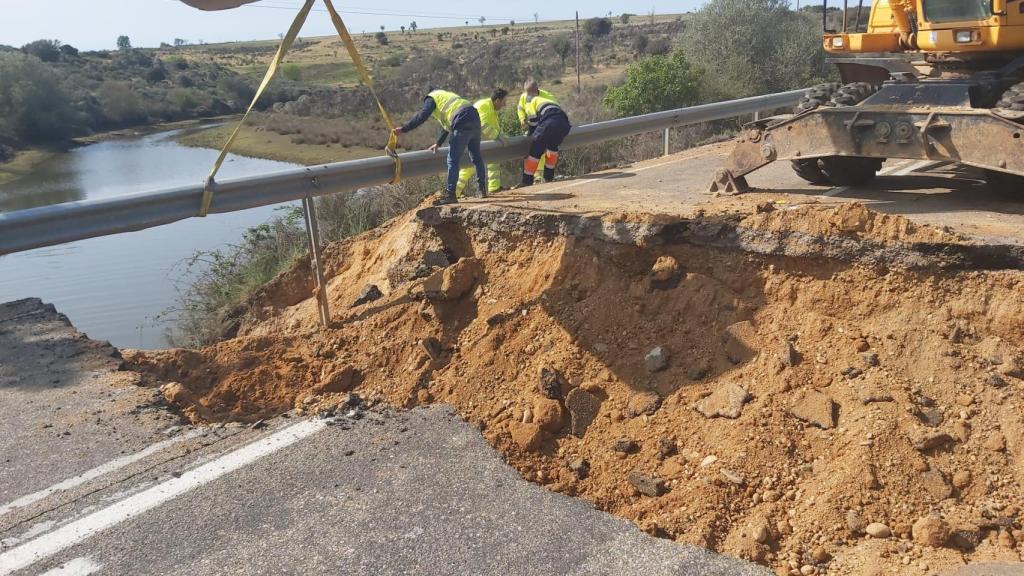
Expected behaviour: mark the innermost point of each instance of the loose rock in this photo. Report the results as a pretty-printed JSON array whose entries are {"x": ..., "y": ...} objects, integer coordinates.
[
  {"x": 368, "y": 294},
  {"x": 931, "y": 531},
  {"x": 996, "y": 442},
  {"x": 529, "y": 436},
  {"x": 815, "y": 408},
  {"x": 656, "y": 359},
  {"x": 878, "y": 530},
  {"x": 580, "y": 467},
  {"x": 551, "y": 382},
  {"x": 625, "y": 446},
  {"x": 925, "y": 441},
  {"x": 788, "y": 354},
  {"x": 726, "y": 401},
  {"x": 643, "y": 403},
  {"x": 453, "y": 282},
  {"x": 647, "y": 485},
  {"x": 855, "y": 522},
  {"x": 548, "y": 414},
  {"x": 583, "y": 407}
]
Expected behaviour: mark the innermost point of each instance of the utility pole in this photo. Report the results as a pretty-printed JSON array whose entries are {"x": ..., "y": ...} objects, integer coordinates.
[{"x": 578, "y": 85}]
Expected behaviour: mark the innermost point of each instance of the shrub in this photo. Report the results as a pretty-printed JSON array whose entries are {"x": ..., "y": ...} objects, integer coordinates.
[
  {"x": 640, "y": 42},
  {"x": 392, "y": 61},
  {"x": 292, "y": 72},
  {"x": 659, "y": 46},
  {"x": 624, "y": 17},
  {"x": 33, "y": 106},
  {"x": 656, "y": 83},
  {"x": 382, "y": 38},
  {"x": 562, "y": 46},
  {"x": 45, "y": 50},
  {"x": 156, "y": 74},
  {"x": 182, "y": 99},
  {"x": 597, "y": 27},
  {"x": 185, "y": 81},
  {"x": 68, "y": 51},
  {"x": 754, "y": 47},
  {"x": 119, "y": 103}
]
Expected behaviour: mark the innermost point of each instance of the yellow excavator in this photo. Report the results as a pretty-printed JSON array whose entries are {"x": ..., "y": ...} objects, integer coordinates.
[{"x": 939, "y": 80}]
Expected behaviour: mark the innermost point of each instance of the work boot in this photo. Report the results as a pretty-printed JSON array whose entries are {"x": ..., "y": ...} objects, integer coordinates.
[
  {"x": 527, "y": 180},
  {"x": 549, "y": 174},
  {"x": 445, "y": 199}
]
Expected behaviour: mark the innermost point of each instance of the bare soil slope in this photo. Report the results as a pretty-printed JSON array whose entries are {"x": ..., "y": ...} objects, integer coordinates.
[{"x": 822, "y": 390}]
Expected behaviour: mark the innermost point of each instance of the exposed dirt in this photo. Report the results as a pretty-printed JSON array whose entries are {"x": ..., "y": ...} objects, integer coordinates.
[{"x": 825, "y": 377}]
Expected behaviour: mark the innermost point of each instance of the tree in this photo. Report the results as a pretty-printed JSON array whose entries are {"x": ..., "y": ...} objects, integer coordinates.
[
  {"x": 33, "y": 106},
  {"x": 511, "y": 22},
  {"x": 45, "y": 50},
  {"x": 414, "y": 26},
  {"x": 179, "y": 42},
  {"x": 656, "y": 83},
  {"x": 403, "y": 29},
  {"x": 504, "y": 31},
  {"x": 597, "y": 27},
  {"x": 640, "y": 42},
  {"x": 124, "y": 43},
  {"x": 562, "y": 46},
  {"x": 536, "y": 17},
  {"x": 481, "y": 20},
  {"x": 624, "y": 18},
  {"x": 68, "y": 51},
  {"x": 755, "y": 47},
  {"x": 382, "y": 38},
  {"x": 382, "y": 28}
]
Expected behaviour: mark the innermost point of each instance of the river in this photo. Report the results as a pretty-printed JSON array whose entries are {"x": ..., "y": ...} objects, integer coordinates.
[{"x": 115, "y": 287}]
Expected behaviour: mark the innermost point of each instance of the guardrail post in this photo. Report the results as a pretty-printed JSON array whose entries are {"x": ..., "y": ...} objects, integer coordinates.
[
  {"x": 666, "y": 141},
  {"x": 316, "y": 258},
  {"x": 757, "y": 115}
]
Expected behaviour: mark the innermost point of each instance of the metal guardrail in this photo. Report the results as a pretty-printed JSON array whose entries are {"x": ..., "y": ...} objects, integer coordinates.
[{"x": 59, "y": 223}]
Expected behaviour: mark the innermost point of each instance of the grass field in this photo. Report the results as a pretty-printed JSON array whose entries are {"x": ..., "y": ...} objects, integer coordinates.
[{"x": 256, "y": 143}]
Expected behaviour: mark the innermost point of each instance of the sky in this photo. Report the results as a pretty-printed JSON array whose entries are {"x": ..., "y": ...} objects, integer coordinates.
[{"x": 96, "y": 24}]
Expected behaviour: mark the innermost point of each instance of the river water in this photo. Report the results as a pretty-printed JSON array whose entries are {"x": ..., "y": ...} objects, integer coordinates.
[{"x": 115, "y": 287}]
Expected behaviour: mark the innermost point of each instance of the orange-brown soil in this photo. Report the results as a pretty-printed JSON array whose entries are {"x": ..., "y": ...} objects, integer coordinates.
[{"x": 797, "y": 402}]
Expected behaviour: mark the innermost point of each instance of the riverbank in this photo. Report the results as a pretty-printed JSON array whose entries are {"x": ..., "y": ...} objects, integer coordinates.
[
  {"x": 25, "y": 161},
  {"x": 254, "y": 142}
]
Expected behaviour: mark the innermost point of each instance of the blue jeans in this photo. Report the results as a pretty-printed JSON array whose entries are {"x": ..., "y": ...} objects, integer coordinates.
[{"x": 465, "y": 136}]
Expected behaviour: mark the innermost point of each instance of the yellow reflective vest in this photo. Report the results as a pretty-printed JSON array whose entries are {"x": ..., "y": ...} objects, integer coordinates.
[
  {"x": 489, "y": 122},
  {"x": 446, "y": 104},
  {"x": 524, "y": 99}
]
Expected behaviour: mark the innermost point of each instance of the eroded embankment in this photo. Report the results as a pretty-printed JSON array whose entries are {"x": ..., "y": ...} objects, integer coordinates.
[{"x": 788, "y": 387}]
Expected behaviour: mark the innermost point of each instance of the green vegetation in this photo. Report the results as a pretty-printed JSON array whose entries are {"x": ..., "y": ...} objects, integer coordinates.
[
  {"x": 222, "y": 280},
  {"x": 656, "y": 83}
]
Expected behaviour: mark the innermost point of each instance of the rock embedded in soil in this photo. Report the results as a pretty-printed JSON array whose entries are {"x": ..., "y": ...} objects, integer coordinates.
[
  {"x": 855, "y": 522},
  {"x": 580, "y": 468},
  {"x": 726, "y": 401},
  {"x": 666, "y": 273},
  {"x": 931, "y": 531},
  {"x": 548, "y": 414},
  {"x": 453, "y": 282},
  {"x": 343, "y": 379},
  {"x": 962, "y": 479},
  {"x": 656, "y": 359},
  {"x": 788, "y": 354},
  {"x": 368, "y": 294},
  {"x": 583, "y": 407},
  {"x": 626, "y": 446},
  {"x": 643, "y": 403},
  {"x": 928, "y": 440},
  {"x": 646, "y": 484},
  {"x": 996, "y": 442},
  {"x": 528, "y": 436},
  {"x": 666, "y": 447},
  {"x": 551, "y": 382},
  {"x": 935, "y": 484},
  {"x": 877, "y": 530},
  {"x": 740, "y": 342},
  {"x": 815, "y": 408}
]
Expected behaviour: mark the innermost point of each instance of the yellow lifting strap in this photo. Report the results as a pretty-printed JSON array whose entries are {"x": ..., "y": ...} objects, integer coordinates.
[
  {"x": 353, "y": 53},
  {"x": 286, "y": 43}
]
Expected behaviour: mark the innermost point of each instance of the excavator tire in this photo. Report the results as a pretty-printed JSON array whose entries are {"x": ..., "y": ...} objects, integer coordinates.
[
  {"x": 850, "y": 170},
  {"x": 1001, "y": 183},
  {"x": 820, "y": 95}
]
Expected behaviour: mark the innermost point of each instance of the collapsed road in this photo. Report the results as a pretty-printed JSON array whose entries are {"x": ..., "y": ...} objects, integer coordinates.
[{"x": 813, "y": 380}]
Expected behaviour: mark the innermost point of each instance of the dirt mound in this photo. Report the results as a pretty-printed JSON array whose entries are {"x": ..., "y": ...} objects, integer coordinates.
[
  {"x": 789, "y": 410},
  {"x": 848, "y": 219}
]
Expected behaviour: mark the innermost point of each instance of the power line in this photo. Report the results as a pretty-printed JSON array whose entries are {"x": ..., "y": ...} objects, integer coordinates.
[{"x": 367, "y": 12}]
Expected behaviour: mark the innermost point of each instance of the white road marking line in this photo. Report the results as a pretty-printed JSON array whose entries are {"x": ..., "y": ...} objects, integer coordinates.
[
  {"x": 836, "y": 191},
  {"x": 76, "y": 567},
  {"x": 75, "y": 532},
  {"x": 96, "y": 472}
]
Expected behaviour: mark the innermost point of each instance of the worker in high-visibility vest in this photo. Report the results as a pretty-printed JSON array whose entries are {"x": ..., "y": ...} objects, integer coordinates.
[
  {"x": 521, "y": 108},
  {"x": 547, "y": 125},
  {"x": 460, "y": 119},
  {"x": 491, "y": 130}
]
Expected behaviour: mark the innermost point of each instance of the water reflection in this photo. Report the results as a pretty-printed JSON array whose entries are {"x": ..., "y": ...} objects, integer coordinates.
[{"x": 112, "y": 288}]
